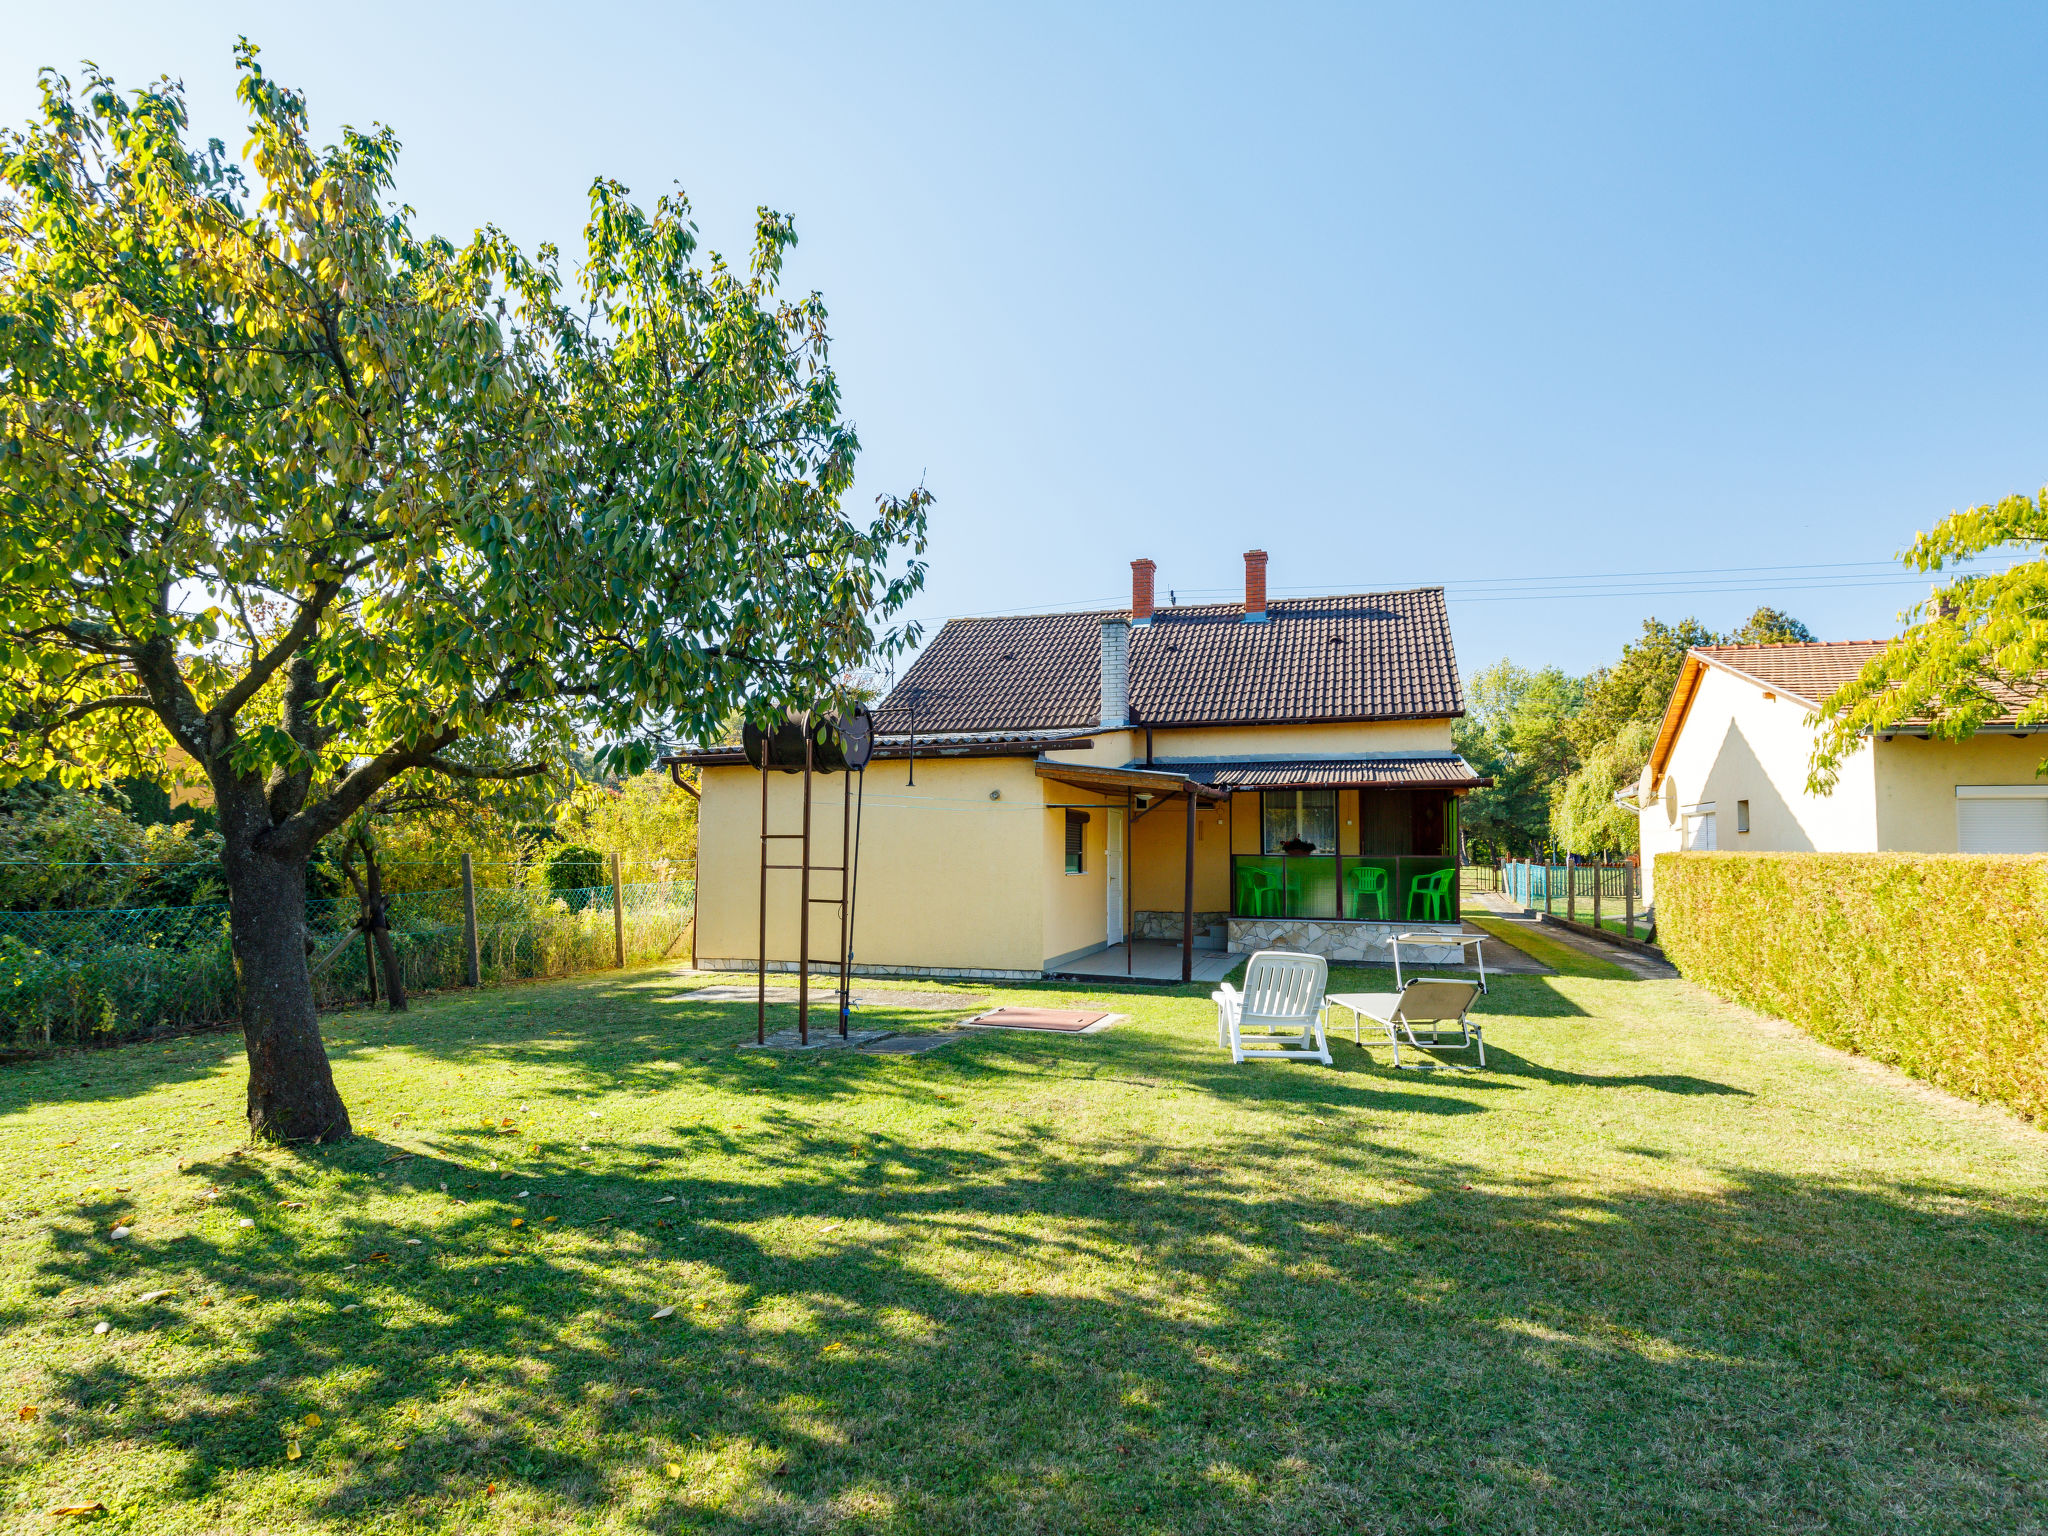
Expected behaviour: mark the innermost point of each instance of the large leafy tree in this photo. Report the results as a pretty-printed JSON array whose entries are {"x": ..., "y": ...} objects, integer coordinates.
[
  {"x": 1975, "y": 651},
  {"x": 1514, "y": 732},
  {"x": 326, "y": 502}
]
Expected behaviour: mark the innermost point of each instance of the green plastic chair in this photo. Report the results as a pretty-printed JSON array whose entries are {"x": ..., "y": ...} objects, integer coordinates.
[
  {"x": 1433, "y": 892},
  {"x": 1258, "y": 892},
  {"x": 1361, "y": 881}
]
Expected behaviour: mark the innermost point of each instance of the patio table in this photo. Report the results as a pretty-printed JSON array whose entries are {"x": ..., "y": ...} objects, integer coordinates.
[{"x": 1469, "y": 941}]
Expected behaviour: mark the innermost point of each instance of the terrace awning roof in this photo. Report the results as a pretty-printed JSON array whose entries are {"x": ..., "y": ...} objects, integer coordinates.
[
  {"x": 1104, "y": 779},
  {"x": 1417, "y": 771}
]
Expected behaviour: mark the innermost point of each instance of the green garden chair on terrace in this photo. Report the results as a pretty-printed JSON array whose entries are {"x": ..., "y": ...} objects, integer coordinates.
[
  {"x": 1258, "y": 892},
  {"x": 1361, "y": 881},
  {"x": 1433, "y": 892}
]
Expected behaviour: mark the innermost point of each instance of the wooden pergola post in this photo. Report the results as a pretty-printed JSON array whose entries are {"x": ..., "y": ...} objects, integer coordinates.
[{"x": 1187, "y": 901}]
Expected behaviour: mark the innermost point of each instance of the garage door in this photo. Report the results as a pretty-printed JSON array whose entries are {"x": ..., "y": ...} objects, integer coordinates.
[{"x": 2000, "y": 818}]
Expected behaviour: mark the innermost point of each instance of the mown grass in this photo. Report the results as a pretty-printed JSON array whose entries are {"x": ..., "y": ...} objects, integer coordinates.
[
  {"x": 1656, "y": 1269},
  {"x": 1563, "y": 958}
]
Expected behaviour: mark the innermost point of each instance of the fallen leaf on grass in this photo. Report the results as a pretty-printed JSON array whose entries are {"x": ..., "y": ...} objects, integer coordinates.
[
  {"x": 291, "y": 1450},
  {"x": 534, "y": 1150},
  {"x": 312, "y": 1421},
  {"x": 830, "y": 1225},
  {"x": 245, "y": 1222},
  {"x": 673, "y": 1468},
  {"x": 102, "y": 1327},
  {"x": 350, "y": 1307},
  {"x": 291, "y": 1205},
  {"x": 414, "y": 1242},
  {"x": 398, "y": 1157},
  {"x": 155, "y": 1295},
  {"x": 380, "y": 1258},
  {"x": 489, "y": 1489},
  {"x": 120, "y": 1232},
  {"x": 25, "y": 1412},
  {"x": 518, "y": 1221},
  {"x": 835, "y": 1344},
  {"x": 94, "y": 1508},
  {"x": 666, "y": 1200},
  {"x": 666, "y": 1312}
]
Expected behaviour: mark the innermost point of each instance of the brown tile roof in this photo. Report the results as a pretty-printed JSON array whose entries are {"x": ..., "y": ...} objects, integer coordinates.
[
  {"x": 925, "y": 744},
  {"x": 1368, "y": 656},
  {"x": 1444, "y": 772},
  {"x": 1812, "y": 671}
]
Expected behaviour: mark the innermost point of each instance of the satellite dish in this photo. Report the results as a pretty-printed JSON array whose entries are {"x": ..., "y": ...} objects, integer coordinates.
[{"x": 1646, "y": 785}]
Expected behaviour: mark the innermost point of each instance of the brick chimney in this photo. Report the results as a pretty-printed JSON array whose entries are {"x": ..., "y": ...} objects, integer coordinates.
[
  {"x": 1141, "y": 591},
  {"x": 1255, "y": 586}
]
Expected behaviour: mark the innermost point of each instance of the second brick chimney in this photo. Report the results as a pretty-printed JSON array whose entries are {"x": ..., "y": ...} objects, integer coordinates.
[
  {"x": 1141, "y": 591},
  {"x": 1255, "y": 586}
]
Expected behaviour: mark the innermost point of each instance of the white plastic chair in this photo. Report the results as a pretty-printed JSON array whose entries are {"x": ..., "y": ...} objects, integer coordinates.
[
  {"x": 1432, "y": 1003},
  {"x": 1283, "y": 1002}
]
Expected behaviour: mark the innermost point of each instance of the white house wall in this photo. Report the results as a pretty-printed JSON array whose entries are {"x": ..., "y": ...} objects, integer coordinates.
[{"x": 1735, "y": 745}]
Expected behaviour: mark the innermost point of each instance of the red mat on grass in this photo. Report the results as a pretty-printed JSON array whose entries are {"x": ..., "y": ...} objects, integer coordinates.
[{"x": 1063, "y": 1020}]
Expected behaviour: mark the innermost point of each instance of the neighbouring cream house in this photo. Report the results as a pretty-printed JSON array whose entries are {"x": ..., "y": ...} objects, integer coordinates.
[
  {"x": 1728, "y": 770},
  {"x": 1046, "y": 788}
]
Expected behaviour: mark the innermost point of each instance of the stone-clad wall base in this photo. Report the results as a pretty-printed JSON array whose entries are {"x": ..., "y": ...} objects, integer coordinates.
[
  {"x": 1166, "y": 925},
  {"x": 1342, "y": 942}
]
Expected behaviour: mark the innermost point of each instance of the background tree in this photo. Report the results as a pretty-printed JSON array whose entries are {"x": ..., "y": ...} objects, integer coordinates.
[
  {"x": 1976, "y": 650},
  {"x": 318, "y": 498},
  {"x": 645, "y": 819},
  {"x": 1583, "y": 816},
  {"x": 1514, "y": 731},
  {"x": 1770, "y": 626}
]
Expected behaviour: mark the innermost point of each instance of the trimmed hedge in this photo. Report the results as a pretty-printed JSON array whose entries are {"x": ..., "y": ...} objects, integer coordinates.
[{"x": 1930, "y": 962}]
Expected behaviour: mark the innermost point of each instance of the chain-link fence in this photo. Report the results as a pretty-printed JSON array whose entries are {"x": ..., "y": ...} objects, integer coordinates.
[{"x": 82, "y": 976}]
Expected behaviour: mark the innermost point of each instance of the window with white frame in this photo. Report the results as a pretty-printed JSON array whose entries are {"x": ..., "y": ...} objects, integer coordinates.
[
  {"x": 1699, "y": 828},
  {"x": 2002, "y": 818}
]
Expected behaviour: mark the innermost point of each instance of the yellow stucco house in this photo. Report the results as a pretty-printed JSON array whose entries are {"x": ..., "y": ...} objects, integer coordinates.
[
  {"x": 1728, "y": 770},
  {"x": 1046, "y": 788}
]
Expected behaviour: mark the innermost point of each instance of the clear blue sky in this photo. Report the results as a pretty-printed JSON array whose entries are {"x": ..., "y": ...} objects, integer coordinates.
[{"x": 1429, "y": 293}]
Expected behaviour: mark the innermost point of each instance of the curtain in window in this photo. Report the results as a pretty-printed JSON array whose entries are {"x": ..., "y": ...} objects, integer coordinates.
[{"x": 1308, "y": 814}]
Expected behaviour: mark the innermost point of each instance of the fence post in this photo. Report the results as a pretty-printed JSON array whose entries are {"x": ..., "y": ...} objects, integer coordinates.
[
  {"x": 1628, "y": 897},
  {"x": 472, "y": 958},
  {"x": 618, "y": 916},
  {"x": 1599, "y": 872},
  {"x": 1571, "y": 891}
]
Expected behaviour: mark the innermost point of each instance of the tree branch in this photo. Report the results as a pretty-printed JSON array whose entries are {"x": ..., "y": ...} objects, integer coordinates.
[
  {"x": 111, "y": 701},
  {"x": 266, "y": 666},
  {"x": 305, "y": 828},
  {"x": 464, "y": 771}
]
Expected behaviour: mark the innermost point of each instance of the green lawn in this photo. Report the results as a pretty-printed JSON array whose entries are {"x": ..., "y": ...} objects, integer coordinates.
[{"x": 1656, "y": 1269}]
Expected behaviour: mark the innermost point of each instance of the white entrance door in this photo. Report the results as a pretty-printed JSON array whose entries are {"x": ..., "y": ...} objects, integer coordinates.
[
  {"x": 1699, "y": 830},
  {"x": 1113, "y": 864}
]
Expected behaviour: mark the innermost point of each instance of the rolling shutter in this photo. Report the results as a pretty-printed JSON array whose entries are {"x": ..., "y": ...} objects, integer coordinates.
[{"x": 2006, "y": 824}]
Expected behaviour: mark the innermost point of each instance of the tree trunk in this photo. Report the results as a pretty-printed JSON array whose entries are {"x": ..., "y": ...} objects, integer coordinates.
[
  {"x": 292, "y": 1096},
  {"x": 380, "y": 930}
]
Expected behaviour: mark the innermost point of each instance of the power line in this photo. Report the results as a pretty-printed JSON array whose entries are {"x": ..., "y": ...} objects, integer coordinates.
[{"x": 1705, "y": 581}]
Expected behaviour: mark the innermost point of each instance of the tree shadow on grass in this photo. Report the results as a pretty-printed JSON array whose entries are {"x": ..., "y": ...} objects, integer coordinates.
[{"x": 1047, "y": 1332}]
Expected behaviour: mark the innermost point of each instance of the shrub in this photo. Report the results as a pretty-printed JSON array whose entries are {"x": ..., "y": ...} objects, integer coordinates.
[
  {"x": 1928, "y": 962},
  {"x": 571, "y": 870}
]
